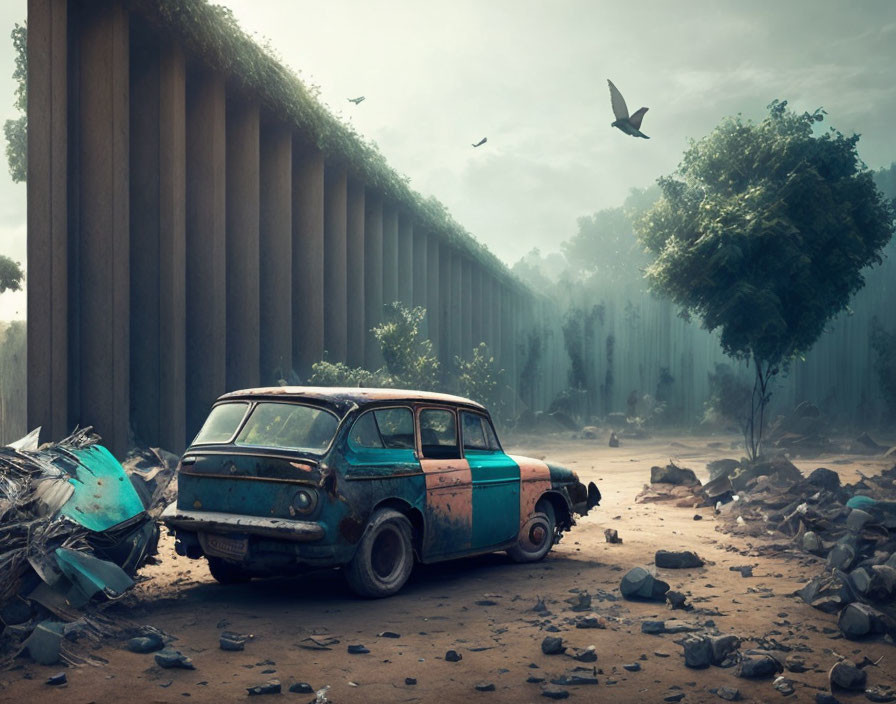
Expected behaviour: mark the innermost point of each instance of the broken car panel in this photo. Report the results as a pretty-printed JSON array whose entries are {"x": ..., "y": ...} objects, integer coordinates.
[{"x": 369, "y": 479}]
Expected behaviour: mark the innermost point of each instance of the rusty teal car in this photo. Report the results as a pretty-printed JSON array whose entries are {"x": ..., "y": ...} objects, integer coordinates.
[{"x": 288, "y": 478}]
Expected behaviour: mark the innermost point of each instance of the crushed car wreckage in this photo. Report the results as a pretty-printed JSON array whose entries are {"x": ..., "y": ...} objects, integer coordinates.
[{"x": 75, "y": 526}]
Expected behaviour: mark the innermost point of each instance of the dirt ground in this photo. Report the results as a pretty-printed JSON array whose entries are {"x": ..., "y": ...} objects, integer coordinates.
[{"x": 482, "y": 608}]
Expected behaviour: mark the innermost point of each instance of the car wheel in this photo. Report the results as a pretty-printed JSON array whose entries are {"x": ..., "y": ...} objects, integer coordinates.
[
  {"x": 536, "y": 536},
  {"x": 226, "y": 572},
  {"x": 385, "y": 556}
]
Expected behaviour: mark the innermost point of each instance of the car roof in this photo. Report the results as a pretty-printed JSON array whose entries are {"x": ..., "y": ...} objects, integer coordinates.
[{"x": 340, "y": 395}]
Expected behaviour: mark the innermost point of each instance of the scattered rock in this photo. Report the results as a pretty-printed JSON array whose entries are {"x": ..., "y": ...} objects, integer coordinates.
[
  {"x": 653, "y": 628},
  {"x": 881, "y": 693},
  {"x": 574, "y": 679},
  {"x": 824, "y": 479},
  {"x": 632, "y": 667},
  {"x": 146, "y": 644},
  {"x": 410, "y": 681},
  {"x": 795, "y": 663},
  {"x": 638, "y": 583},
  {"x": 729, "y": 694},
  {"x": 858, "y": 620},
  {"x": 388, "y": 634},
  {"x": 846, "y": 675},
  {"x": 532, "y": 679},
  {"x": 553, "y": 692},
  {"x": 825, "y": 698},
  {"x": 677, "y": 600},
  {"x": 755, "y": 665},
  {"x": 614, "y": 440},
  {"x": 673, "y": 474},
  {"x": 611, "y": 535},
  {"x": 723, "y": 649},
  {"x": 590, "y": 432},
  {"x": 589, "y": 654},
  {"x": 453, "y": 656},
  {"x": 591, "y": 622},
  {"x": 485, "y": 687},
  {"x": 580, "y": 602},
  {"x": 697, "y": 652},
  {"x": 673, "y": 697},
  {"x": 357, "y": 650},
  {"x": 232, "y": 641},
  {"x": 303, "y": 688},
  {"x": 58, "y": 679},
  {"x": 745, "y": 570},
  {"x": 552, "y": 645},
  {"x": 784, "y": 686},
  {"x": 269, "y": 687},
  {"x": 170, "y": 658},
  {"x": 698, "y": 517},
  {"x": 682, "y": 559}
]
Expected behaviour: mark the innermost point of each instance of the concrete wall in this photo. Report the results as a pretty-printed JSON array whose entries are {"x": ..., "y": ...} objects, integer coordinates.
[{"x": 183, "y": 240}]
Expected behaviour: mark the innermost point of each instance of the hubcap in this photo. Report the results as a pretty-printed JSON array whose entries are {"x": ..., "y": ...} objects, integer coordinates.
[{"x": 537, "y": 535}]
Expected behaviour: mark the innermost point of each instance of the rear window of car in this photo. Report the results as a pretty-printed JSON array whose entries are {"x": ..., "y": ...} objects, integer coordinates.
[
  {"x": 221, "y": 423},
  {"x": 289, "y": 426}
]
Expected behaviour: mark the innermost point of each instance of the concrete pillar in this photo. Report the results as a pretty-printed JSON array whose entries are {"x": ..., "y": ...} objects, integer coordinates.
[
  {"x": 307, "y": 260},
  {"x": 243, "y": 217},
  {"x": 275, "y": 254},
  {"x": 48, "y": 212},
  {"x": 405, "y": 260},
  {"x": 390, "y": 255},
  {"x": 355, "y": 315},
  {"x": 206, "y": 246},
  {"x": 466, "y": 272},
  {"x": 373, "y": 278},
  {"x": 433, "y": 297},
  {"x": 102, "y": 223},
  {"x": 446, "y": 343},
  {"x": 335, "y": 302},
  {"x": 158, "y": 245},
  {"x": 488, "y": 325},
  {"x": 420, "y": 269},
  {"x": 477, "y": 305},
  {"x": 458, "y": 345}
]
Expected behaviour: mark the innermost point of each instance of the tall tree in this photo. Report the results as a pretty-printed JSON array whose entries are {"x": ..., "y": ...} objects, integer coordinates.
[
  {"x": 17, "y": 130},
  {"x": 763, "y": 233}
]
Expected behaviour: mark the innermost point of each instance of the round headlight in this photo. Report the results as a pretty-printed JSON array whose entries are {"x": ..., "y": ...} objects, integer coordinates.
[{"x": 303, "y": 501}]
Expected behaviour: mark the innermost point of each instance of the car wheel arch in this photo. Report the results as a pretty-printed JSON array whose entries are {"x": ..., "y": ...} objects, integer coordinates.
[
  {"x": 413, "y": 514},
  {"x": 561, "y": 506}
]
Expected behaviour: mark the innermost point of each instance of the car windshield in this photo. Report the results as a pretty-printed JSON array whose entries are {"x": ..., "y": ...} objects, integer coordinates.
[{"x": 289, "y": 426}]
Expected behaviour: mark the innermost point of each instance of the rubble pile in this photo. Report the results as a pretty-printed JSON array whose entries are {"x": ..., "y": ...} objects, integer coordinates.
[
  {"x": 75, "y": 526},
  {"x": 852, "y": 527}
]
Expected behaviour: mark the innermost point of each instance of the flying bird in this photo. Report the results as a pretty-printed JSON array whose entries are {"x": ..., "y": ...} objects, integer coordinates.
[
  {"x": 629, "y": 125},
  {"x": 481, "y": 142},
  {"x": 359, "y": 99}
]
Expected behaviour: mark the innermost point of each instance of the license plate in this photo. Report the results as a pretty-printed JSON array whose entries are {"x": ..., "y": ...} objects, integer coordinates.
[{"x": 223, "y": 546}]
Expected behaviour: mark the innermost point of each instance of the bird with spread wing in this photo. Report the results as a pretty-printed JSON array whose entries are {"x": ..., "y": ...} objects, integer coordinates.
[
  {"x": 357, "y": 101},
  {"x": 631, "y": 125},
  {"x": 481, "y": 142}
]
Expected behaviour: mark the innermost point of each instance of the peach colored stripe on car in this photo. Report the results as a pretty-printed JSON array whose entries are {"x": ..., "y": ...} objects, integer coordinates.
[
  {"x": 535, "y": 480},
  {"x": 449, "y": 499}
]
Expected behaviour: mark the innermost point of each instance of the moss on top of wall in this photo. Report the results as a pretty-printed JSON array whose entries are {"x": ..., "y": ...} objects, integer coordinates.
[{"x": 212, "y": 34}]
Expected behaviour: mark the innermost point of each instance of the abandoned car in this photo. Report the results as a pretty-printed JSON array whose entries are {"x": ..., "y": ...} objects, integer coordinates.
[{"x": 285, "y": 478}]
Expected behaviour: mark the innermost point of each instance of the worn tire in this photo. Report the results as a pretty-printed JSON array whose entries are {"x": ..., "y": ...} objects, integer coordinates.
[
  {"x": 385, "y": 556},
  {"x": 536, "y": 537},
  {"x": 226, "y": 572}
]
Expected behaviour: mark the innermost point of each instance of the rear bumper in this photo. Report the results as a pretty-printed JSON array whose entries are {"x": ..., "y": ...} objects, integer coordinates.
[{"x": 217, "y": 522}]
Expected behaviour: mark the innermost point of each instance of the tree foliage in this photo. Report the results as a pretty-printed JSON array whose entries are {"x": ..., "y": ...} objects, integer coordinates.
[
  {"x": 409, "y": 357},
  {"x": 16, "y": 130},
  {"x": 479, "y": 379},
  {"x": 11, "y": 275},
  {"x": 883, "y": 343},
  {"x": 763, "y": 233}
]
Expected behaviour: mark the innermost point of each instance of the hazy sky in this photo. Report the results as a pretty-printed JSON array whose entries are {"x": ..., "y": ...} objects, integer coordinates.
[{"x": 531, "y": 76}]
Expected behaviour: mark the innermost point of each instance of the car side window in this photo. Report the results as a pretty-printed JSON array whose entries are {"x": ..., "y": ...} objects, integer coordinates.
[
  {"x": 438, "y": 434},
  {"x": 384, "y": 428},
  {"x": 478, "y": 433}
]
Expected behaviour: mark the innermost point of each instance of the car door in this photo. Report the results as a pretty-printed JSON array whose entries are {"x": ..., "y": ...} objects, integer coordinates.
[
  {"x": 449, "y": 505},
  {"x": 496, "y": 483},
  {"x": 381, "y": 445}
]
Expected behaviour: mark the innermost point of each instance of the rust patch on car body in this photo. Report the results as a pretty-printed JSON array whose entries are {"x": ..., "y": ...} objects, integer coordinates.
[
  {"x": 535, "y": 481},
  {"x": 449, "y": 505}
]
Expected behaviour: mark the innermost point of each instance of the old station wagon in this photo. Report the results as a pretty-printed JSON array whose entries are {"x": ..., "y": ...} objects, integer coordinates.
[{"x": 285, "y": 478}]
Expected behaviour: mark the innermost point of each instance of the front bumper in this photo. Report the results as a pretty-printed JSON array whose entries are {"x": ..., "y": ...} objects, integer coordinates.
[{"x": 217, "y": 522}]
